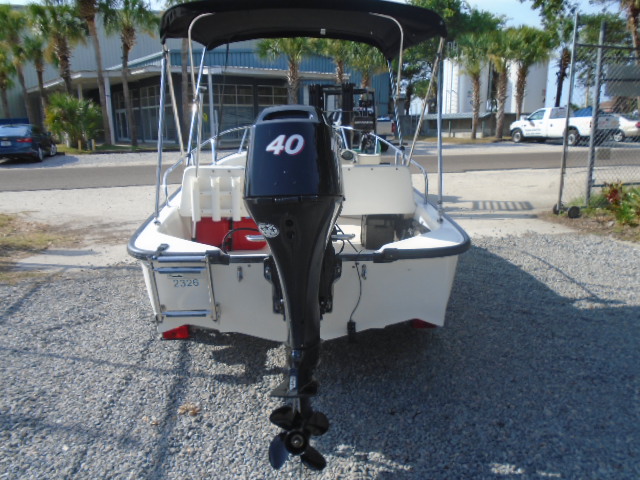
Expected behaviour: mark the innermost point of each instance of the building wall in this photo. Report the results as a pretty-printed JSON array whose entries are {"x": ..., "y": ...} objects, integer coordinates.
[
  {"x": 458, "y": 89},
  {"x": 535, "y": 94}
]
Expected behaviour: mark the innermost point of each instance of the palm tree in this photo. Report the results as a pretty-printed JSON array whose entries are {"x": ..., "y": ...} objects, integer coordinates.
[
  {"x": 125, "y": 20},
  {"x": 556, "y": 15},
  {"x": 632, "y": 12},
  {"x": 501, "y": 51},
  {"x": 63, "y": 30},
  {"x": 366, "y": 60},
  {"x": 87, "y": 11},
  {"x": 472, "y": 56},
  {"x": 7, "y": 71},
  {"x": 562, "y": 27},
  {"x": 337, "y": 50},
  {"x": 12, "y": 26},
  {"x": 558, "y": 20},
  {"x": 294, "y": 49},
  {"x": 531, "y": 46}
]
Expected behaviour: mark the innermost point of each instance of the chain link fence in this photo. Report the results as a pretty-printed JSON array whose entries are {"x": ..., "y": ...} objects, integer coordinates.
[{"x": 605, "y": 92}]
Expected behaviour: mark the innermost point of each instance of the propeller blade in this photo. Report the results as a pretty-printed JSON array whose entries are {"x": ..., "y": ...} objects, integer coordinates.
[
  {"x": 317, "y": 424},
  {"x": 313, "y": 459},
  {"x": 278, "y": 454},
  {"x": 285, "y": 418}
]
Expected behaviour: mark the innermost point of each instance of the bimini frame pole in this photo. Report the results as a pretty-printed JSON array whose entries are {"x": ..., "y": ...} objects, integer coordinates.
[
  {"x": 435, "y": 71},
  {"x": 394, "y": 95},
  {"x": 439, "y": 122},
  {"x": 174, "y": 104},
  {"x": 195, "y": 104},
  {"x": 395, "y": 85},
  {"x": 196, "y": 86},
  {"x": 163, "y": 76}
]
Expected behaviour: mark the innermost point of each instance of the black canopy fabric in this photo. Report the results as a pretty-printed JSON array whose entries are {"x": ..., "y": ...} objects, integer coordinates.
[{"x": 364, "y": 21}]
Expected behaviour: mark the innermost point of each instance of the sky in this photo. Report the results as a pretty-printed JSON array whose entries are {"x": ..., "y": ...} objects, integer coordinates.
[{"x": 516, "y": 12}]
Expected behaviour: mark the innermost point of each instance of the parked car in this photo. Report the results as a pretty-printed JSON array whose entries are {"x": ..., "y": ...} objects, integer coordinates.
[
  {"x": 23, "y": 141},
  {"x": 628, "y": 127}
]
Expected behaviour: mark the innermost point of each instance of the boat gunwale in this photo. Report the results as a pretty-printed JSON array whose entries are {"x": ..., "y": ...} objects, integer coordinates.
[{"x": 384, "y": 255}]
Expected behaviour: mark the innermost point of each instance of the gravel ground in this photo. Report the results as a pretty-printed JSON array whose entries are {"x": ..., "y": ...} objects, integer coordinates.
[{"x": 535, "y": 375}]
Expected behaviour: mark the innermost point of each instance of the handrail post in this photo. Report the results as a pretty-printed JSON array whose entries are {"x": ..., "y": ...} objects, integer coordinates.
[
  {"x": 163, "y": 75},
  {"x": 440, "y": 160}
]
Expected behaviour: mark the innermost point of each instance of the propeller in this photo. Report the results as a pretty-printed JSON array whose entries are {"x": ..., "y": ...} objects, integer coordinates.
[{"x": 294, "y": 440}]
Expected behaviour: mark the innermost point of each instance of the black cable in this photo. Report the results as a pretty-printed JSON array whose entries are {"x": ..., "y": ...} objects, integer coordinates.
[
  {"x": 223, "y": 245},
  {"x": 357, "y": 265}
]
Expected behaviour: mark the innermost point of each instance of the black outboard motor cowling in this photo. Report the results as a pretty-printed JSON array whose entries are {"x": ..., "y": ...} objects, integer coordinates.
[{"x": 293, "y": 190}]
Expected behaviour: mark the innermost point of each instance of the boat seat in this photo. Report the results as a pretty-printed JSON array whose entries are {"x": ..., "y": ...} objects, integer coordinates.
[
  {"x": 215, "y": 192},
  {"x": 377, "y": 190},
  {"x": 368, "y": 159}
]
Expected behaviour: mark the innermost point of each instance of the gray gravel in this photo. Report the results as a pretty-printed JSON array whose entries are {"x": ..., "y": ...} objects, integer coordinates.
[{"x": 535, "y": 375}]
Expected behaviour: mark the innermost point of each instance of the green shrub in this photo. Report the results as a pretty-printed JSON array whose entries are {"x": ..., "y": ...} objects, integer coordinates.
[
  {"x": 624, "y": 202},
  {"x": 75, "y": 119}
]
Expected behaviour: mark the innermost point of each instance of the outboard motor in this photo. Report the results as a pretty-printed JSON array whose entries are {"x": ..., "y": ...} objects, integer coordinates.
[{"x": 293, "y": 190}]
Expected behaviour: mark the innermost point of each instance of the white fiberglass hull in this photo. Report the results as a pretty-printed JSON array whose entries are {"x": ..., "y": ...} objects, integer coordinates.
[{"x": 190, "y": 283}]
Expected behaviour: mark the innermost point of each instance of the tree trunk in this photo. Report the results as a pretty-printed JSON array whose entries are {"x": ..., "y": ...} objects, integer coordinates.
[
  {"x": 293, "y": 80},
  {"x": 43, "y": 94},
  {"x": 27, "y": 106},
  {"x": 521, "y": 84},
  {"x": 340, "y": 72},
  {"x": 407, "y": 100},
  {"x": 5, "y": 103},
  {"x": 502, "y": 98},
  {"x": 64, "y": 55},
  {"x": 93, "y": 33},
  {"x": 563, "y": 66},
  {"x": 366, "y": 80},
  {"x": 131, "y": 121},
  {"x": 475, "y": 105},
  {"x": 186, "y": 104}
]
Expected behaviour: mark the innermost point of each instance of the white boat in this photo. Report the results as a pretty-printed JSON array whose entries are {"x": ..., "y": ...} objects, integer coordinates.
[{"x": 294, "y": 236}]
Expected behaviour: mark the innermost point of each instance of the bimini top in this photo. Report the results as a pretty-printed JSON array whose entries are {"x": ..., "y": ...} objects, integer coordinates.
[{"x": 367, "y": 21}]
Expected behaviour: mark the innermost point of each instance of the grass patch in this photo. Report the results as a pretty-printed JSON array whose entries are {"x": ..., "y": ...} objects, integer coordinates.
[
  {"x": 19, "y": 239},
  {"x": 598, "y": 222},
  {"x": 17, "y": 236},
  {"x": 614, "y": 212},
  {"x": 106, "y": 148}
]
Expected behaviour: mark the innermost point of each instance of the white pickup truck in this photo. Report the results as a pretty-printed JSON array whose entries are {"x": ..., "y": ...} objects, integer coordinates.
[{"x": 550, "y": 122}]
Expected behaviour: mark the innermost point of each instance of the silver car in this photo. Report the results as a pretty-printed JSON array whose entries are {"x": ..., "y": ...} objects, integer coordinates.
[{"x": 628, "y": 127}]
